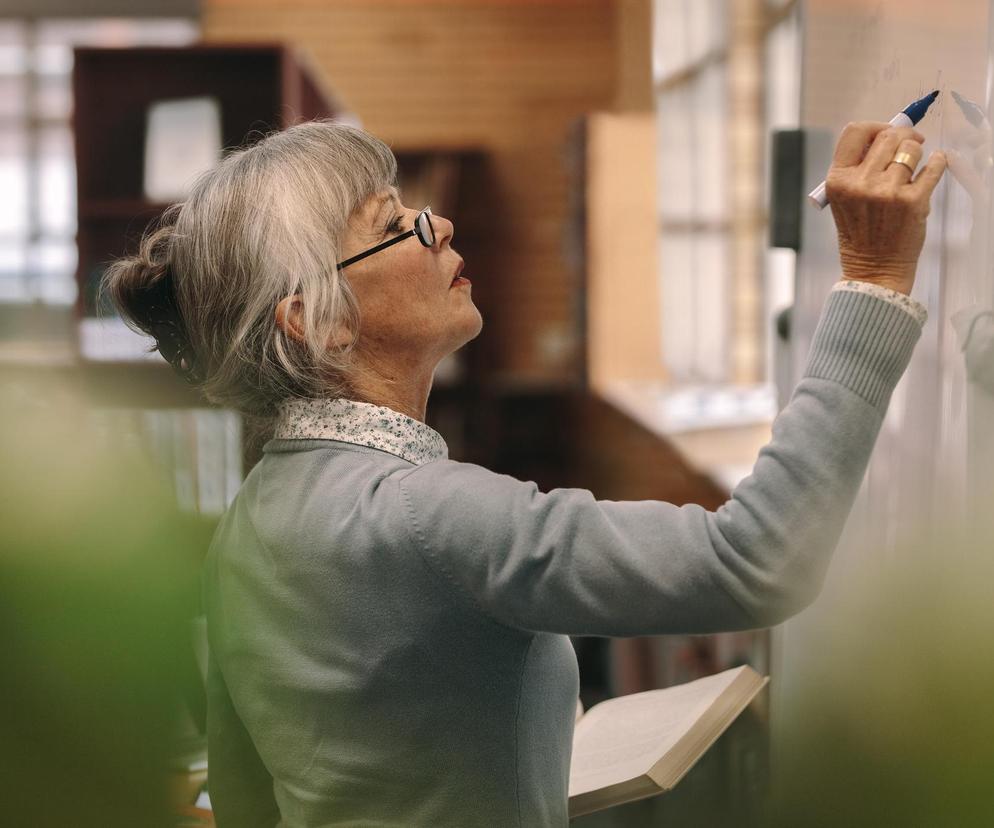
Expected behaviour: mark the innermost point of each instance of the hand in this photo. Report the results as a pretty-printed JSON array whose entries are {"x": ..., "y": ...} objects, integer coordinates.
[{"x": 879, "y": 210}]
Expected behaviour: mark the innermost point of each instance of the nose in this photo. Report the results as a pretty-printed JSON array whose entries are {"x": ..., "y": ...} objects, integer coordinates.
[{"x": 444, "y": 230}]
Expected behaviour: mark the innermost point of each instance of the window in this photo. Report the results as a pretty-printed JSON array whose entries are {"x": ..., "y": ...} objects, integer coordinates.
[
  {"x": 37, "y": 168},
  {"x": 725, "y": 73},
  {"x": 782, "y": 110},
  {"x": 199, "y": 448}
]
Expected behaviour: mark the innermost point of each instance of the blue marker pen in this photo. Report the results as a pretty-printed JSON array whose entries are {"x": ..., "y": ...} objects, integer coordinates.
[{"x": 908, "y": 117}]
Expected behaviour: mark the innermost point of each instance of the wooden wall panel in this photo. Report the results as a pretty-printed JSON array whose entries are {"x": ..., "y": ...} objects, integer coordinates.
[{"x": 623, "y": 334}]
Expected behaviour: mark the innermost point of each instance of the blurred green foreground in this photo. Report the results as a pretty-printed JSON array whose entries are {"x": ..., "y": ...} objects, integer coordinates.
[
  {"x": 98, "y": 581},
  {"x": 894, "y": 721}
]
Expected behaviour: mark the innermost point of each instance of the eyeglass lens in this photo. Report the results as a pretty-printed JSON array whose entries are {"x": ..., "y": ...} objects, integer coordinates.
[{"x": 425, "y": 231}]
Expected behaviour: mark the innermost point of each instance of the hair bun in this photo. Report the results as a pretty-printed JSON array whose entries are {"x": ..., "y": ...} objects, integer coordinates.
[{"x": 143, "y": 291}]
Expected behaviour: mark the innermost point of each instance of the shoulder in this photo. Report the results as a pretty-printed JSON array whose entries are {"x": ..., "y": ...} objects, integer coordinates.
[
  {"x": 306, "y": 492},
  {"x": 454, "y": 472},
  {"x": 449, "y": 485}
]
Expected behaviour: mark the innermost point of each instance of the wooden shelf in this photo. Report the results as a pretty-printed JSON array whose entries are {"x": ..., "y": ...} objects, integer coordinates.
[
  {"x": 119, "y": 208},
  {"x": 259, "y": 87}
]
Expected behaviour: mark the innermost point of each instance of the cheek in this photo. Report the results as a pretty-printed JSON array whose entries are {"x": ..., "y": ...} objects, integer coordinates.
[
  {"x": 406, "y": 302},
  {"x": 414, "y": 282}
]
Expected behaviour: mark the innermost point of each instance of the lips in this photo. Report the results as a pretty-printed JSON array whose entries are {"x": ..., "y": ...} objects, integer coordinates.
[{"x": 456, "y": 275}]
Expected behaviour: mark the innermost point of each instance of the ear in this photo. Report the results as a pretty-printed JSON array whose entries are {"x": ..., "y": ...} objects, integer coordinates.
[
  {"x": 290, "y": 320},
  {"x": 289, "y": 317}
]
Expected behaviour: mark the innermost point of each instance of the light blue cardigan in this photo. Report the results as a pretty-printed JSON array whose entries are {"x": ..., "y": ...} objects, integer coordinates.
[{"x": 388, "y": 627}]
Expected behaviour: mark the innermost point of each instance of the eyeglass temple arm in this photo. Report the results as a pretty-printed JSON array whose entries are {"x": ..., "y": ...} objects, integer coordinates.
[{"x": 376, "y": 249}]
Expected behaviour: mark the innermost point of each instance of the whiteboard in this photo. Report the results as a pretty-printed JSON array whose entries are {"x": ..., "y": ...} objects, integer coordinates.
[{"x": 932, "y": 465}]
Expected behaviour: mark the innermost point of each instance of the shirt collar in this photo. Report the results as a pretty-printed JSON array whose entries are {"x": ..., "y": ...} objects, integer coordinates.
[{"x": 362, "y": 424}]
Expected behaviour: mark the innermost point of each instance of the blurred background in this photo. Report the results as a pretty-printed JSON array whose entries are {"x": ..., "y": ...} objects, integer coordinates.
[{"x": 626, "y": 179}]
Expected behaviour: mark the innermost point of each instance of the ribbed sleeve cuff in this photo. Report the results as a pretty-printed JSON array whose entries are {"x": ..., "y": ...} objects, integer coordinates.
[
  {"x": 912, "y": 306},
  {"x": 864, "y": 343}
]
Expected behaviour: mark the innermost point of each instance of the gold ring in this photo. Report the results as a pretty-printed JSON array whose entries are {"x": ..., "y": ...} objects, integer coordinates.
[{"x": 905, "y": 159}]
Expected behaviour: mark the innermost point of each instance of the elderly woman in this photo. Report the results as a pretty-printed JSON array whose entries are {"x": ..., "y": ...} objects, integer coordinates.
[{"x": 388, "y": 627}]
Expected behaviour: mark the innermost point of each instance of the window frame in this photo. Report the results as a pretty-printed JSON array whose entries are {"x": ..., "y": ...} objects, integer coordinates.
[
  {"x": 31, "y": 242},
  {"x": 739, "y": 319}
]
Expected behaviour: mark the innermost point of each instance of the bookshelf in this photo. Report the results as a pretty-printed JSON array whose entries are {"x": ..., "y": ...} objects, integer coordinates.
[{"x": 259, "y": 87}]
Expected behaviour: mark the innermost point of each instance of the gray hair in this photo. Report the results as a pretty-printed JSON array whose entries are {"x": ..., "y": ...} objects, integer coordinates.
[{"x": 266, "y": 222}]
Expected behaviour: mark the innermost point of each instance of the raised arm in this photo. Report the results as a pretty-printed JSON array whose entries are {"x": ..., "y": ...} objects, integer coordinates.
[{"x": 563, "y": 561}]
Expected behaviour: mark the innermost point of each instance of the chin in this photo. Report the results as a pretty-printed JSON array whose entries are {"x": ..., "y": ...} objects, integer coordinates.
[
  {"x": 477, "y": 325},
  {"x": 467, "y": 332}
]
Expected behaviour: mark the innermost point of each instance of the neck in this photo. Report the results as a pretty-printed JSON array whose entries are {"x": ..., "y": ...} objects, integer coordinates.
[{"x": 404, "y": 388}]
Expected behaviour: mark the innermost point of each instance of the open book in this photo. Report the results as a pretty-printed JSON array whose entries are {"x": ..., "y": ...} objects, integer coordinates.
[{"x": 639, "y": 745}]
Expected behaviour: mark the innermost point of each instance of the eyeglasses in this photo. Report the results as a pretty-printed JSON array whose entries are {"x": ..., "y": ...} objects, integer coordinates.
[{"x": 423, "y": 229}]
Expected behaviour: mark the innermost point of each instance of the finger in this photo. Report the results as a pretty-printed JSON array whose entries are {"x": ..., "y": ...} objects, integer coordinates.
[
  {"x": 900, "y": 173},
  {"x": 885, "y": 146},
  {"x": 929, "y": 175},
  {"x": 853, "y": 140}
]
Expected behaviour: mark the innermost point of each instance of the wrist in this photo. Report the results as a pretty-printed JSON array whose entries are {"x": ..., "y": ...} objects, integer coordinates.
[
  {"x": 895, "y": 276},
  {"x": 891, "y": 284}
]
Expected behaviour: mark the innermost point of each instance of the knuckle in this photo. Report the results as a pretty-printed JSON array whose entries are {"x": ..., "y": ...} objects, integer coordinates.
[
  {"x": 864, "y": 179},
  {"x": 906, "y": 137},
  {"x": 835, "y": 181},
  {"x": 861, "y": 128},
  {"x": 908, "y": 197},
  {"x": 840, "y": 191},
  {"x": 880, "y": 194}
]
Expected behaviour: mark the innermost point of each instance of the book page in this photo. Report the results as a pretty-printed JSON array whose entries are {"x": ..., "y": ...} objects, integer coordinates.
[{"x": 622, "y": 738}]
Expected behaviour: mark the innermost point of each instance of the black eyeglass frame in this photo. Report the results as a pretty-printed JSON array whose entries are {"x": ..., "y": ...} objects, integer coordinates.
[{"x": 414, "y": 231}]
